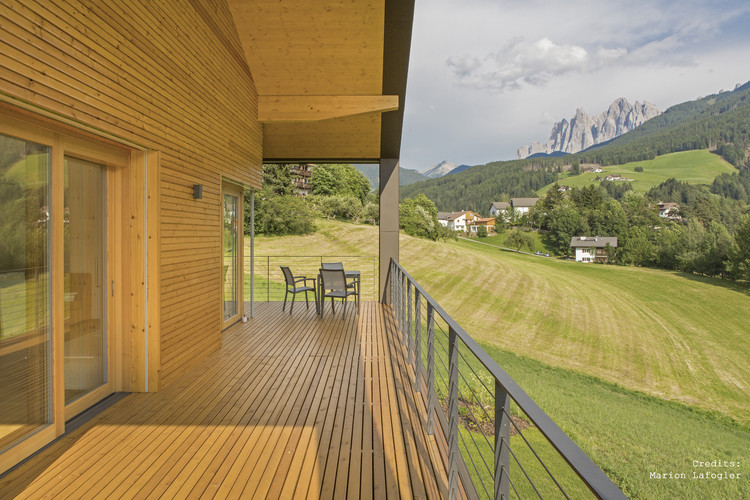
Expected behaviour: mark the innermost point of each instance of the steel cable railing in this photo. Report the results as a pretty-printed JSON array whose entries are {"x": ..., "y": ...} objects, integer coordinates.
[
  {"x": 269, "y": 284},
  {"x": 456, "y": 379}
]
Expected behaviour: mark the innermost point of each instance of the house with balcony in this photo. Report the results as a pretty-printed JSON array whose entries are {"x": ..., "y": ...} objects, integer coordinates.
[
  {"x": 132, "y": 362},
  {"x": 669, "y": 210},
  {"x": 593, "y": 248},
  {"x": 487, "y": 222},
  {"x": 457, "y": 221},
  {"x": 301, "y": 175}
]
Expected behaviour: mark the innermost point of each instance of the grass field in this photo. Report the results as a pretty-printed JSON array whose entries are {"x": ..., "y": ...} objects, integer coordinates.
[
  {"x": 499, "y": 240},
  {"x": 695, "y": 167},
  {"x": 646, "y": 369}
]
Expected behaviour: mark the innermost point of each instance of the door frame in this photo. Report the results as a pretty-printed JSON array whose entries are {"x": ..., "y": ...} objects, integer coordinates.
[
  {"x": 235, "y": 189},
  {"x": 130, "y": 181}
]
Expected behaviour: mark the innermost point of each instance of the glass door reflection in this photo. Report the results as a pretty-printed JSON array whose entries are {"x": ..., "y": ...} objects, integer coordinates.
[
  {"x": 230, "y": 256},
  {"x": 85, "y": 277}
]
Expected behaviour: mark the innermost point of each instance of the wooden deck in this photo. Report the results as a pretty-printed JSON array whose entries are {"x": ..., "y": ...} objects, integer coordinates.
[{"x": 289, "y": 407}]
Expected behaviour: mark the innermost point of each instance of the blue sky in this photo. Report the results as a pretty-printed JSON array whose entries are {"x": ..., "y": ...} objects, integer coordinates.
[{"x": 489, "y": 76}]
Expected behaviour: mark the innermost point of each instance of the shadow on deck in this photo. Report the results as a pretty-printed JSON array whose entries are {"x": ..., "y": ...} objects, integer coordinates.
[{"x": 290, "y": 406}]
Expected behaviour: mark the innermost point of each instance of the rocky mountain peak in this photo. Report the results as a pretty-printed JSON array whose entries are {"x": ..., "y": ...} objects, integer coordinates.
[
  {"x": 584, "y": 131},
  {"x": 439, "y": 169}
]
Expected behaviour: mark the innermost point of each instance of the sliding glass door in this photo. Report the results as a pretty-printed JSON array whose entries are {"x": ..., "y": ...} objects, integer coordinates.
[
  {"x": 85, "y": 256},
  {"x": 25, "y": 319},
  {"x": 232, "y": 296}
]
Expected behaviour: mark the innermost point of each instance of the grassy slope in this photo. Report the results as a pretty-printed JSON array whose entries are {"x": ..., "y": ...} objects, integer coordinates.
[
  {"x": 586, "y": 337},
  {"x": 669, "y": 334},
  {"x": 695, "y": 167}
]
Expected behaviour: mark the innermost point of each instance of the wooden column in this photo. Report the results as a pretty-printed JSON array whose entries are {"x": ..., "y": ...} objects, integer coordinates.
[{"x": 388, "y": 219}]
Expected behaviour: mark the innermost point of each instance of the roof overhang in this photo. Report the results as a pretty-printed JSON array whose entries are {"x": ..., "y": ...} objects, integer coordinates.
[{"x": 330, "y": 75}]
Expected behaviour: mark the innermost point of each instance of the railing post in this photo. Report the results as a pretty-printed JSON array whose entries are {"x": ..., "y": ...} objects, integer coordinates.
[
  {"x": 402, "y": 315},
  {"x": 417, "y": 339},
  {"x": 391, "y": 275},
  {"x": 431, "y": 396},
  {"x": 409, "y": 336},
  {"x": 502, "y": 443},
  {"x": 453, "y": 450},
  {"x": 397, "y": 311}
]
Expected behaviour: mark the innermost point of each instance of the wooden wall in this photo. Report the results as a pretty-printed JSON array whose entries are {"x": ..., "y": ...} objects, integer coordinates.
[{"x": 170, "y": 76}]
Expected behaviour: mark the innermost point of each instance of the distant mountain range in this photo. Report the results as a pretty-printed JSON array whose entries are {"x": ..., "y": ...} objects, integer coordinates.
[
  {"x": 720, "y": 122},
  {"x": 406, "y": 176},
  {"x": 583, "y": 132},
  {"x": 443, "y": 168}
]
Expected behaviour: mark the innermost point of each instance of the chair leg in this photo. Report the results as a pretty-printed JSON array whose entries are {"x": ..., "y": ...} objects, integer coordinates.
[
  {"x": 294, "y": 295},
  {"x": 306, "y": 301},
  {"x": 333, "y": 306},
  {"x": 344, "y": 313},
  {"x": 285, "y": 294}
]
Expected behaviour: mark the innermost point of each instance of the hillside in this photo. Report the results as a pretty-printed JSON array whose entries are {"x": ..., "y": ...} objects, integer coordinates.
[
  {"x": 695, "y": 167},
  {"x": 608, "y": 321},
  {"x": 714, "y": 120},
  {"x": 721, "y": 121},
  {"x": 595, "y": 334},
  {"x": 406, "y": 176}
]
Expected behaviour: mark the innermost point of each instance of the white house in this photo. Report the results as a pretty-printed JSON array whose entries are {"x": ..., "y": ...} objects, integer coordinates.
[
  {"x": 522, "y": 205},
  {"x": 592, "y": 248},
  {"x": 669, "y": 210},
  {"x": 497, "y": 207},
  {"x": 458, "y": 221}
]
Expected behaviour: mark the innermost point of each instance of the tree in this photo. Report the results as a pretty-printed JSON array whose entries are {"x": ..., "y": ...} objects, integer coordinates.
[
  {"x": 280, "y": 215},
  {"x": 739, "y": 255},
  {"x": 519, "y": 239},
  {"x": 636, "y": 247},
  {"x": 278, "y": 179},
  {"x": 445, "y": 233},
  {"x": 564, "y": 222},
  {"x": 418, "y": 217},
  {"x": 482, "y": 231},
  {"x": 344, "y": 180},
  {"x": 509, "y": 215},
  {"x": 337, "y": 206}
]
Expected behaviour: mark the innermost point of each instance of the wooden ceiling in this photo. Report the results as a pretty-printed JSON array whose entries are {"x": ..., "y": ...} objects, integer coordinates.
[{"x": 318, "y": 68}]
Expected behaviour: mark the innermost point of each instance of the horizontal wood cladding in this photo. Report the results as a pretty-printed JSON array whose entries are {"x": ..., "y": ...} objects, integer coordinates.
[{"x": 167, "y": 75}]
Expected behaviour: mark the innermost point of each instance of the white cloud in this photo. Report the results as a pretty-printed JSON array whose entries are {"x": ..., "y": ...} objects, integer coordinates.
[
  {"x": 488, "y": 76},
  {"x": 517, "y": 63}
]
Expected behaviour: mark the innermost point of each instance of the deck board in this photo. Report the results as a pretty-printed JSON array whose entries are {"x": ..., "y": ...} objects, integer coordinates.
[{"x": 290, "y": 406}]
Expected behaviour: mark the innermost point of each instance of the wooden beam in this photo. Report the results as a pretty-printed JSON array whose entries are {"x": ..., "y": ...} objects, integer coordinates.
[{"x": 302, "y": 108}]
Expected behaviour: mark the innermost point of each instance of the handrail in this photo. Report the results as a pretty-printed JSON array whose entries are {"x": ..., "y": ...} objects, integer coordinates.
[
  {"x": 594, "y": 478},
  {"x": 269, "y": 282}
]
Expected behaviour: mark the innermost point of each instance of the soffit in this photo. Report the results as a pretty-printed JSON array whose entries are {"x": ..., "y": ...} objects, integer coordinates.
[{"x": 322, "y": 49}]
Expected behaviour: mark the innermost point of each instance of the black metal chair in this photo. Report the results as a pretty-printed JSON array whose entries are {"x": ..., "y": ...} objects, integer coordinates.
[
  {"x": 334, "y": 286},
  {"x": 351, "y": 283},
  {"x": 291, "y": 287}
]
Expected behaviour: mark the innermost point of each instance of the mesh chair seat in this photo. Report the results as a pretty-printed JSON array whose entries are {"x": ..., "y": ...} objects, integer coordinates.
[
  {"x": 334, "y": 285},
  {"x": 291, "y": 287}
]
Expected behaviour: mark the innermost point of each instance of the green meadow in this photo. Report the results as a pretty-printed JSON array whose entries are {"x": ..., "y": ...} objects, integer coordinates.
[
  {"x": 695, "y": 167},
  {"x": 646, "y": 370}
]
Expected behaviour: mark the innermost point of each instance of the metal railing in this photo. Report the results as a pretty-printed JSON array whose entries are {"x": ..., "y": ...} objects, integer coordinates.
[
  {"x": 475, "y": 407},
  {"x": 269, "y": 280}
]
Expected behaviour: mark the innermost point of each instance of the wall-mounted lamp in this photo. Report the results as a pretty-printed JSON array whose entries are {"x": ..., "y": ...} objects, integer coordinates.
[{"x": 197, "y": 191}]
